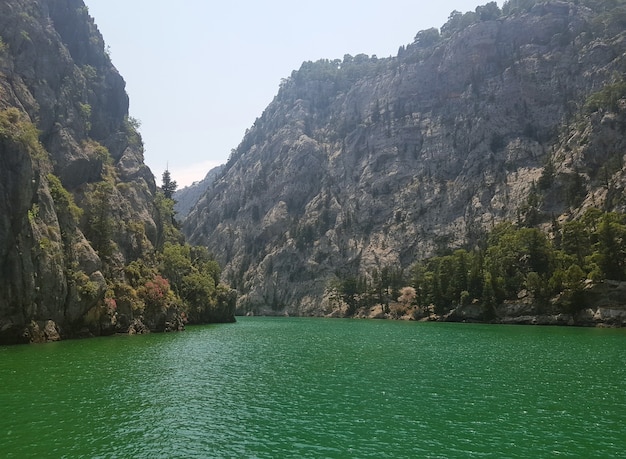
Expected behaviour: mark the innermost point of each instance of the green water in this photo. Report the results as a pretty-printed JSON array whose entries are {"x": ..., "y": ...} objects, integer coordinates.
[{"x": 273, "y": 388}]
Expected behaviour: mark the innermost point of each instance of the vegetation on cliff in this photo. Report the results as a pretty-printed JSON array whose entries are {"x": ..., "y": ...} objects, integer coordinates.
[
  {"x": 512, "y": 114},
  {"x": 87, "y": 239},
  {"x": 552, "y": 273},
  {"x": 553, "y": 266},
  {"x": 162, "y": 288}
]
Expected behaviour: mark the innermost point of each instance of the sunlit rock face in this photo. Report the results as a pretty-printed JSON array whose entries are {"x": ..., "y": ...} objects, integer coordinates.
[{"x": 363, "y": 163}]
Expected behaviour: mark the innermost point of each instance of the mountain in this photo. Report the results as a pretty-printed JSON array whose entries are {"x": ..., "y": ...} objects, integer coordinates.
[
  {"x": 84, "y": 231},
  {"x": 366, "y": 164},
  {"x": 188, "y": 196}
]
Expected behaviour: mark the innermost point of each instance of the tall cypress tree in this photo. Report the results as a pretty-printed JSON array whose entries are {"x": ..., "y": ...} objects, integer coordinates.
[
  {"x": 168, "y": 186},
  {"x": 609, "y": 250}
]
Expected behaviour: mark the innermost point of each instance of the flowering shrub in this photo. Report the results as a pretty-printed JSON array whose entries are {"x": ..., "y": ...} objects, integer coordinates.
[
  {"x": 156, "y": 293},
  {"x": 157, "y": 289},
  {"x": 111, "y": 305}
]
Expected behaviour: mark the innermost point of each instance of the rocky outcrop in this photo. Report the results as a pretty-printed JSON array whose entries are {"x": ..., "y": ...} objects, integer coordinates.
[
  {"x": 65, "y": 142},
  {"x": 605, "y": 305},
  {"x": 363, "y": 163}
]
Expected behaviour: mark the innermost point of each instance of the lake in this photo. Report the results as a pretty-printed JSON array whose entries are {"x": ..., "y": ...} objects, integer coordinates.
[{"x": 320, "y": 388}]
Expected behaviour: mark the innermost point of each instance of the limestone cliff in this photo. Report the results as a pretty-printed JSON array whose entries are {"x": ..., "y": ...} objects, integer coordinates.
[
  {"x": 77, "y": 202},
  {"x": 363, "y": 162},
  {"x": 187, "y": 197}
]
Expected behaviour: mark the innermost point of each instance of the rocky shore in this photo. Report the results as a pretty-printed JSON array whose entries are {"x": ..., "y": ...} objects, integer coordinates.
[{"x": 605, "y": 307}]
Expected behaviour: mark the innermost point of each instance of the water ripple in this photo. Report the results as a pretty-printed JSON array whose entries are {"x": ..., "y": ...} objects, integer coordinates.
[{"x": 310, "y": 388}]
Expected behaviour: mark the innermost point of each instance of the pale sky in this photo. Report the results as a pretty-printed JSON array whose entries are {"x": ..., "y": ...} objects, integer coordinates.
[{"x": 199, "y": 72}]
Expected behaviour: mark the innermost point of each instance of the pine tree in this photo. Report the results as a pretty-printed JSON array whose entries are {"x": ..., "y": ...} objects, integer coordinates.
[
  {"x": 168, "y": 186},
  {"x": 610, "y": 254}
]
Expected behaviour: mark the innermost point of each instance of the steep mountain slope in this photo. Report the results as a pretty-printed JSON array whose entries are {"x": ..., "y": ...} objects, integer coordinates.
[
  {"x": 77, "y": 203},
  {"x": 369, "y": 163},
  {"x": 187, "y": 197}
]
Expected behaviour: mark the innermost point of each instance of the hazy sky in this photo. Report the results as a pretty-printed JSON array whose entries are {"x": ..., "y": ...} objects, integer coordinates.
[{"x": 199, "y": 73}]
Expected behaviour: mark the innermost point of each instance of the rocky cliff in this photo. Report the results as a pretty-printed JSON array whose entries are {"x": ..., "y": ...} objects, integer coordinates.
[
  {"x": 365, "y": 163},
  {"x": 187, "y": 197},
  {"x": 77, "y": 203}
]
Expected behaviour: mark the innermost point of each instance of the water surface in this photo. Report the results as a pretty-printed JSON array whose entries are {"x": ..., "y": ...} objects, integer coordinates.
[{"x": 270, "y": 388}]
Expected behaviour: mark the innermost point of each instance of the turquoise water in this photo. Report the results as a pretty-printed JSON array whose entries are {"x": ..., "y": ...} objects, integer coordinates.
[{"x": 271, "y": 388}]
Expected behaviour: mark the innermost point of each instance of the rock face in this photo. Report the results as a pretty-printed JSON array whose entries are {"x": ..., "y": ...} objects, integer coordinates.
[
  {"x": 64, "y": 131},
  {"x": 365, "y": 163},
  {"x": 187, "y": 197},
  {"x": 605, "y": 301}
]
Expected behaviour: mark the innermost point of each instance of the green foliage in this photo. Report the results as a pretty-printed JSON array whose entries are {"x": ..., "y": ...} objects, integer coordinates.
[
  {"x": 100, "y": 224},
  {"x": 45, "y": 244},
  {"x": 610, "y": 247},
  {"x": 33, "y": 213},
  {"x": 85, "y": 112},
  {"x": 16, "y": 127},
  {"x": 380, "y": 286},
  {"x": 99, "y": 151},
  {"x": 611, "y": 16},
  {"x": 607, "y": 98},
  {"x": 330, "y": 77},
  {"x": 575, "y": 237},
  {"x": 126, "y": 298},
  {"x": 488, "y": 12},
  {"x": 89, "y": 72},
  {"x": 448, "y": 280},
  {"x": 458, "y": 21},
  {"x": 529, "y": 212},
  {"x": 575, "y": 189},
  {"x": 426, "y": 38},
  {"x": 131, "y": 126},
  {"x": 517, "y": 6},
  {"x": 518, "y": 258},
  {"x": 176, "y": 263},
  {"x": 64, "y": 201},
  {"x": 183, "y": 277},
  {"x": 602, "y": 5},
  {"x": 133, "y": 123},
  {"x": 84, "y": 286},
  {"x": 165, "y": 218},
  {"x": 136, "y": 231},
  {"x": 609, "y": 7},
  {"x": 547, "y": 176},
  {"x": 512, "y": 254},
  {"x": 168, "y": 186},
  {"x": 3, "y": 46},
  {"x": 138, "y": 272},
  {"x": 514, "y": 260},
  {"x": 194, "y": 277}
]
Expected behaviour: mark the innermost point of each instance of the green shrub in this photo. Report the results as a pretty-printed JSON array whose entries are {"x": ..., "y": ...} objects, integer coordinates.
[
  {"x": 607, "y": 98},
  {"x": 33, "y": 213},
  {"x": 63, "y": 199},
  {"x": 17, "y": 128},
  {"x": 85, "y": 112}
]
